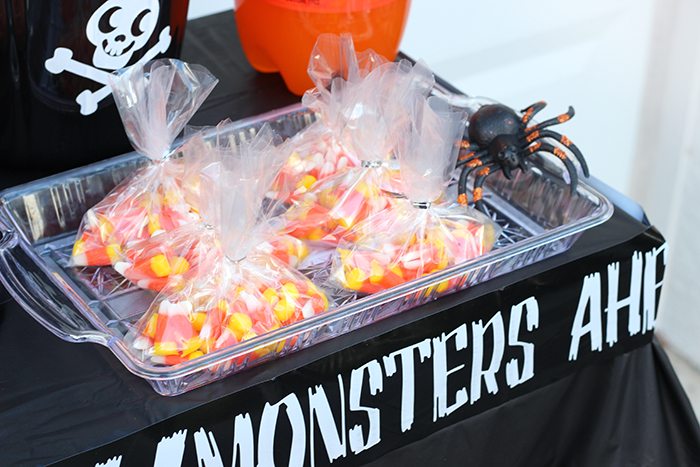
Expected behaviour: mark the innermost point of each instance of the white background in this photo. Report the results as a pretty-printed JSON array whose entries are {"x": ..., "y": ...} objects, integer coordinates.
[{"x": 591, "y": 55}]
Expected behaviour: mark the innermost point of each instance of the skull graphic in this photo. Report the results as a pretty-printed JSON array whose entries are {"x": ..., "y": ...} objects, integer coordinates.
[{"x": 118, "y": 28}]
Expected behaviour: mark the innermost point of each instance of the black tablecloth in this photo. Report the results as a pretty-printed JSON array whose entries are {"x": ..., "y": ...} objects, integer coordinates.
[{"x": 625, "y": 408}]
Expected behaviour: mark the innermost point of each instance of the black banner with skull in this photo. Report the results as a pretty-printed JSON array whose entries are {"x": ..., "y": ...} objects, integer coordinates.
[{"x": 56, "y": 75}]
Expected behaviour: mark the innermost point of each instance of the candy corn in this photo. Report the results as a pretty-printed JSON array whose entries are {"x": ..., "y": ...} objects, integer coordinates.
[
  {"x": 182, "y": 328},
  {"x": 158, "y": 260},
  {"x": 372, "y": 267},
  {"x": 286, "y": 248},
  {"x": 328, "y": 212},
  {"x": 316, "y": 158},
  {"x": 125, "y": 218}
]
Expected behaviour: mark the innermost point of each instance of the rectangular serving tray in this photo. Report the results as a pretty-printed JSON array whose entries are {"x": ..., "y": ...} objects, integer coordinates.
[{"x": 38, "y": 223}]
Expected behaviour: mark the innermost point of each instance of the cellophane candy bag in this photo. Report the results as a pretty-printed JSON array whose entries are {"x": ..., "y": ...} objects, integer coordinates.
[
  {"x": 173, "y": 254},
  {"x": 374, "y": 127},
  {"x": 238, "y": 291},
  {"x": 318, "y": 151},
  {"x": 155, "y": 103},
  {"x": 176, "y": 254},
  {"x": 197, "y": 153},
  {"x": 417, "y": 235},
  {"x": 285, "y": 248}
]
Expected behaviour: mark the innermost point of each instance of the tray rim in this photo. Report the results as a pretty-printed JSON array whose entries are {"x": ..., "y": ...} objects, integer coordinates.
[{"x": 118, "y": 345}]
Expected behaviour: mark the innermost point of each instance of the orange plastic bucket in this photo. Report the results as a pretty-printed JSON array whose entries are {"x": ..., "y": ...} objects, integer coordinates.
[{"x": 278, "y": 35}]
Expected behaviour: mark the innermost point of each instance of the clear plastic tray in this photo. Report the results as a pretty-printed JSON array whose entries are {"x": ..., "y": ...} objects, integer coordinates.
[{"x": 38, "y": 222}]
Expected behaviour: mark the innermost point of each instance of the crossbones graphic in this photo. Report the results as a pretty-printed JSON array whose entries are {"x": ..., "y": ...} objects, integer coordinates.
[{"x": 117, "y": 29}]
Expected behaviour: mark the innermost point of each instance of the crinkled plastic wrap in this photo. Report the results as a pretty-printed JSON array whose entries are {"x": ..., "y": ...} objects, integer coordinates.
[
  {"x": 175, "y": 253},
  {"x": 416, "y": 235},
  {"x": 239, "y": 290},
  {"x": 169, "y": 258},
  {"x": 374, "y": 127},
  {"x": 155, "y": 103},
  {"x": 319, "y": 151},
  {"x": 197, "y": 153},
  {"x": 178, "y": 254},
  {"x": 287, "y": 249}
]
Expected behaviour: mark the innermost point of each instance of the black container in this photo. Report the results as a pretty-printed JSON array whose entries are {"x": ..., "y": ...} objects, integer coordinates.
[{"x": 55, "y": 56}]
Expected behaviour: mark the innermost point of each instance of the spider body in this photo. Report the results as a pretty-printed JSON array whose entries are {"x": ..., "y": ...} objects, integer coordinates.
[
  {"x": 501, "y": 141},
  {"x": 491, "y": 121}
]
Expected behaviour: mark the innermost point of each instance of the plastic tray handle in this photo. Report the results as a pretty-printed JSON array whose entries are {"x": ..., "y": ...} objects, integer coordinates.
[{"x": 39, "y": 296}]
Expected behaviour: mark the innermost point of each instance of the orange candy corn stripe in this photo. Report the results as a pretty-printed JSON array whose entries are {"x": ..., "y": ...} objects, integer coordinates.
[{"x": 180, "y": 331}]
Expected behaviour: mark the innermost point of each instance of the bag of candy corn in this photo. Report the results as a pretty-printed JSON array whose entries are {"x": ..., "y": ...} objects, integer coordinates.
[
  {"x": 373, "y": 128},
  {"x": 238, "y": 290},
  {"x": 155, "y": 103},
  {"x": 419, "y": 234},
  {"x": 177, "y": 254},
  {"x": 318, "y": 151}
]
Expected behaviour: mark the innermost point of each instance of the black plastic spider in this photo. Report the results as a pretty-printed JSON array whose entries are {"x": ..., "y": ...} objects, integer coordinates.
[{"x": 500, "y": 140}]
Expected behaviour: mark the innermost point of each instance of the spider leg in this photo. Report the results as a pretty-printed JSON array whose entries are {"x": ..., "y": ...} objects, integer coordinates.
[
  {"x": 570, "y": 167},
  {"x": 464, "y": 176},
  {"x": 470, "y": 156},
  {"x": 537, "y": 134},
  {"x": 478, "y": 191},
  {"x": 565, "y": 117},
  {"x": 531, "y": 111}
]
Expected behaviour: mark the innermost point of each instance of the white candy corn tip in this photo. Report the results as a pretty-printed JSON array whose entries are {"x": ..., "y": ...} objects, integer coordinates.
[
  {"x": 141, "y": 343},
  {"x": 307, "y": 310},
  {"x": 158, "y": 359},
  {"x": 91, "y": 218},
  {"x": 121, "y": 267},
  {"x": 164, "y": 307},
  {"x": 78, "y": 260},
  {"x": 171, "y": 309}
]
